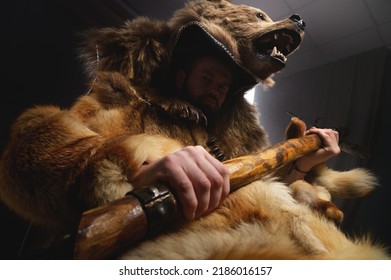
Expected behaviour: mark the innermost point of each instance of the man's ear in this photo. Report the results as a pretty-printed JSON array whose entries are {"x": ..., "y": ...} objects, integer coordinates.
[{"x": 180, "y": 79}]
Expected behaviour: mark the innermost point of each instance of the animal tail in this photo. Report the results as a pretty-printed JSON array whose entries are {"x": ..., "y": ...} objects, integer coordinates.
[{"x": 354, "y": 183}]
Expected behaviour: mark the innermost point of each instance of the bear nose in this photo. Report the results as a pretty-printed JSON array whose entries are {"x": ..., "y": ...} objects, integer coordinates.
[{"x": 299, "y": 21}]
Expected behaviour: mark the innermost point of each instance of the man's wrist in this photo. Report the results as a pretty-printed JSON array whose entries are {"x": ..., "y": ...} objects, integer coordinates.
[{"x": 300, "y": 167}]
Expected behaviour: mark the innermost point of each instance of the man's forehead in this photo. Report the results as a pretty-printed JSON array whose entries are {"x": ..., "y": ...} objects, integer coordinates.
[{"x": 213, "y": 65}]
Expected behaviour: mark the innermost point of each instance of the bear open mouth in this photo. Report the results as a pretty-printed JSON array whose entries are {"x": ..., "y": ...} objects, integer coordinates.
[{"x": 277, "y": 44}]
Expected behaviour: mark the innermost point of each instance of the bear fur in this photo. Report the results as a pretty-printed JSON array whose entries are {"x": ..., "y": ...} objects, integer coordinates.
[{"x": 61, "y": 162}]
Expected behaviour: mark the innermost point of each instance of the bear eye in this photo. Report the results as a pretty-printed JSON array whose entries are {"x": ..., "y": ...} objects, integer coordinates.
[{"x": 261, "y": 16}]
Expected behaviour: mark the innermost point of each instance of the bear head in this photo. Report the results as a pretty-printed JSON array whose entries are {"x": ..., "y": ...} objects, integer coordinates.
[{"x": 141, "y": 48}]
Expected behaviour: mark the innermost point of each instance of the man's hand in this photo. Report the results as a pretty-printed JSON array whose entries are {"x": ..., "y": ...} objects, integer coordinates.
[
  {"x": 303, "y": 165},
  {"x": 330, "y": 139},
  {"x": 200, "y": 181}
]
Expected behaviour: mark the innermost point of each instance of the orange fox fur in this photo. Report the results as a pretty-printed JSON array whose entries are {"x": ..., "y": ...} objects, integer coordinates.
[{"x": 266, "y": 220}]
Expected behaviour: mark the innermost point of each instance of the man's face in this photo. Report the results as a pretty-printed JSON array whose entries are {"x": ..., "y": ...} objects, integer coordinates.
[{"x": 206, "y": 85}]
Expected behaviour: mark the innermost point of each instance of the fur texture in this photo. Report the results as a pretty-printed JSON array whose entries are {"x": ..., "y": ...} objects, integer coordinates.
[
  {"x": 259, "y": 221},
  {"x": 60, "y": 162}
]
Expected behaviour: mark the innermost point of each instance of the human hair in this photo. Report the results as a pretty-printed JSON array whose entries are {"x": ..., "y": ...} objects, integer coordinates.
[{"x": 185, "y": 62}]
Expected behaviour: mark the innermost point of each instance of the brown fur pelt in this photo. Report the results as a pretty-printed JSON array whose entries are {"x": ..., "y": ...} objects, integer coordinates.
[{"x": 60, "y": 162}]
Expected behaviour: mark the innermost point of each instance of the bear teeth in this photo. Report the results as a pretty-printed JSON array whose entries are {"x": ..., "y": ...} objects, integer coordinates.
[{"x": 277, "y": 54}]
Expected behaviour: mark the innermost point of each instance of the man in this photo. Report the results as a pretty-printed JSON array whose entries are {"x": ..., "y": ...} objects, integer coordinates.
[
  {"x": 60, "y": 162},
  {"x": 201, "y": 182}
]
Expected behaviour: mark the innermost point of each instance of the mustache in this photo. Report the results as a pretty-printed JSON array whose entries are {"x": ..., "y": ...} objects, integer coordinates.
[{"x": 210, "y": 97}]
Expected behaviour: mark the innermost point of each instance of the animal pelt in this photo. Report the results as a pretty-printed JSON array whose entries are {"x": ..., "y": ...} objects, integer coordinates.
[
  {"x": 268, "y": 219},
  {"x": 260, "y": 221},
  {"x": 60, "y": 162}
]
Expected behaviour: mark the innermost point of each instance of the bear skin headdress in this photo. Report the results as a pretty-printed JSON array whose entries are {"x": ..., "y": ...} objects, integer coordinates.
[{"x": 194, "y": 40}]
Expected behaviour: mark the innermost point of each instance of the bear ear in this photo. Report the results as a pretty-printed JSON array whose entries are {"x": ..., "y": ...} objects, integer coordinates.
[
  {"x": 135, "y": 50},
  {"x": 103, "y": 50}
]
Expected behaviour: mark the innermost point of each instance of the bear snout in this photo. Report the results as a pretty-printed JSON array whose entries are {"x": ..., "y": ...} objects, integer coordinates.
[{"x": 299, "y": 21}]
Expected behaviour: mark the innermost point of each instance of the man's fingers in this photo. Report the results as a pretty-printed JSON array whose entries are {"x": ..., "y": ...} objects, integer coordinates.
[
  {"x": 330, "y": 140},
  {"x": 219, "y": 178},
  {"x": 184, "y": 190},
  {"x": 200, "y": 181},
  {"x": 211, "y": 187}
]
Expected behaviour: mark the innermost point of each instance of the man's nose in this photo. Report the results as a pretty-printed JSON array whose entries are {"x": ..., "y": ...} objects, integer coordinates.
[
  {"x": 213, "y": 90},
  {"x": 299, "y": 21}
]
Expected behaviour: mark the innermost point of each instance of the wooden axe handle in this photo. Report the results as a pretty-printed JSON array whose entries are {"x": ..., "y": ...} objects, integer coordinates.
[{"x": 246, "y": 169}]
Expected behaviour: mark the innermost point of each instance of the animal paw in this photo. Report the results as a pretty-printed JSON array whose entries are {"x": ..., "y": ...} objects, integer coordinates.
[
  {"x": 317, "y": 199},
  {"x": 296, "y": 128},
  {"x": 181, "y": 109},
  {"x": 330, "y": 210}
]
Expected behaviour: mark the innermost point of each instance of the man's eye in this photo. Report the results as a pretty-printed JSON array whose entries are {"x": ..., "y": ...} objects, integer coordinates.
[{"x": 206, "y": 79}]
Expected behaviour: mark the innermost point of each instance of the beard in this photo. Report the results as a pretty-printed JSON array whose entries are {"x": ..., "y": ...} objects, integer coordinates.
[{"x": 206, "y": 103}]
